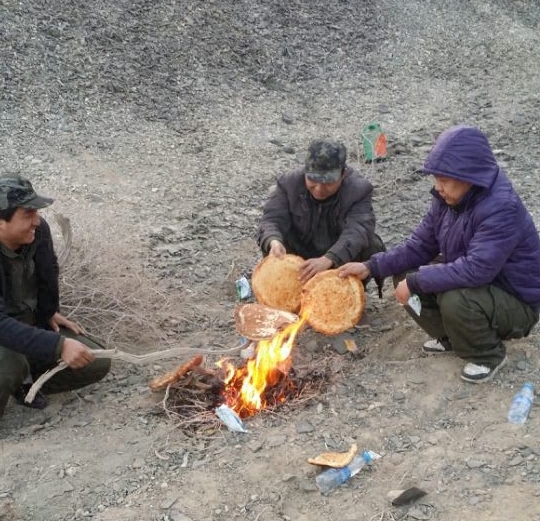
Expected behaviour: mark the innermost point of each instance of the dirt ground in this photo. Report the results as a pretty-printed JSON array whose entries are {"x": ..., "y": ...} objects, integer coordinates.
[{"x": 159, "y": 127}]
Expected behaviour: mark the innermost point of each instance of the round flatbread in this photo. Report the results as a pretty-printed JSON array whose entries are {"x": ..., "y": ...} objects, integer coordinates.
[
  {"x": 260, "y": 322},
  {"x": 335, "y": 459},
  {"x": 332, "y": 304},
  {"x": 275, "y": 282}
]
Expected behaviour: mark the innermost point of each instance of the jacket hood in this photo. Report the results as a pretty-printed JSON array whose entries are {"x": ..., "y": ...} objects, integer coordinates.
[{"x": 463, "y": 153}]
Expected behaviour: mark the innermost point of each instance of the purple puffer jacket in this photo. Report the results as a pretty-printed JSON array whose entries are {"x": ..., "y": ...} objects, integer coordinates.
[{"x": 488, "y": 238}]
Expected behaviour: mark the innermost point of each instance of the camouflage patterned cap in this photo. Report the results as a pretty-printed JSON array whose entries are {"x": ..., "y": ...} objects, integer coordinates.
[
  {"x": 325, "y": 161},
  {"x": 17, "y": 192}
]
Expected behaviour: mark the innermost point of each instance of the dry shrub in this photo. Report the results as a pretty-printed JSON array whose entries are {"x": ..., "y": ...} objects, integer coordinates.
[
  {"x": 104, "y": 288},
  {"x": 7, "y": 510}
]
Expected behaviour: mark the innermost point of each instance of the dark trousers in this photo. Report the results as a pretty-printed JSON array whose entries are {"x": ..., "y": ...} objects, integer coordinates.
[
  {"x": 14, "y": 368},
  {"x": 294, "y": 245},
  {"x": 475, "y": 321}
]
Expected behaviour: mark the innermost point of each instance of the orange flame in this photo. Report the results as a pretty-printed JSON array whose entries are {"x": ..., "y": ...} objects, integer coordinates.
[{"x": 245, "y": 386}]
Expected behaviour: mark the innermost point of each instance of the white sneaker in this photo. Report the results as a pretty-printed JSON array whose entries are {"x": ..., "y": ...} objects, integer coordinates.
[
  {"x": 436, "y": 346},
  {"x": 477, "y": 373}
]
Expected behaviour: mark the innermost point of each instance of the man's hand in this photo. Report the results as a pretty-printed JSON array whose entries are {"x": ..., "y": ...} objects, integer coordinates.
[
  {"x": 277, "y": 249},
  {"x": 358, "y": 269},
  {"x": 75, "y": 354},
  {"x": 402, "y": 292},
  {"x": 57, "y": 321},
  {"x": 313, "y": 266}
]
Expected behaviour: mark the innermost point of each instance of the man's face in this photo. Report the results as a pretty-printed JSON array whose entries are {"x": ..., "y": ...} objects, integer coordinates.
[
  {"x": 450, "y": 189},
  {"x": 20, "y": 230},
  {"x": 322, "y": 191}
]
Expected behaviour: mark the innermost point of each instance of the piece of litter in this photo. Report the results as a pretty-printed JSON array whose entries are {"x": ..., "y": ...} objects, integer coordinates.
[
  {"x": 335, "y": 459},
  {"x": 350, "y": 344},
  {"x": 415, "y": 304},
  {"x": 408, "y": 496},
  {"x": 243, "y": 288},
  {"x": 230, "y": 419}
]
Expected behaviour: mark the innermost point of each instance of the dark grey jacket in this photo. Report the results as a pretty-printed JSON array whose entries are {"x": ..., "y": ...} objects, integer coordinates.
[
  {"x": 35, "y": 342},
  {"x": 291, "y": 210}
]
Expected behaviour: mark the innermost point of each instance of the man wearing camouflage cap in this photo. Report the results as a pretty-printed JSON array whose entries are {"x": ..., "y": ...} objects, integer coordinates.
[
  {"x": 321, "y": 212},
  {"x": 33, "y": 334}
]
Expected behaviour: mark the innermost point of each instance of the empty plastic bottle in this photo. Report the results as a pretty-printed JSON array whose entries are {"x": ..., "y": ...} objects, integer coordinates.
[
  {"x": 521, "y": 404},
  {"x": 330, "y": 479},
  {"x": 374, "y": 141}
]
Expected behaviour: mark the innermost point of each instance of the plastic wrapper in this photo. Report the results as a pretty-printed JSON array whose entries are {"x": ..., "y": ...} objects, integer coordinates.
[
  {"x": 231, "y": 420},
  {"x": 415, "y": 304},
  {"x": 243, "y": 288}
]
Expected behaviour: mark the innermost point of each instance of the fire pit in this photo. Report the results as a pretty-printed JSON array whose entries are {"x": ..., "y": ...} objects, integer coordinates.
[
  {"x": 263, "y": 383},
  {"x": 264, "y": 379}
]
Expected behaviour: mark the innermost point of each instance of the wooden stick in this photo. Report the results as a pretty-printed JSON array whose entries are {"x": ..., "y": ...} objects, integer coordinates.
[
  {"x": 36, "y": 386},
  {"x": 170, "y": 378},
  {"x": 126, "y": 357}
]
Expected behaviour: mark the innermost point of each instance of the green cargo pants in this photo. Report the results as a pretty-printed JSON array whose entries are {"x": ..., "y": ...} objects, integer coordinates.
[
  {"x": 14, "y": 368},
  {"x": 475, "y": 321}
]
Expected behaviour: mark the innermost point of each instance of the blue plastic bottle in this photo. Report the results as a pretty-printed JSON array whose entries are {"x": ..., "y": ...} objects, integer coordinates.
[
  {"x": 521, "y": 404},
  {"x": 330, "y": 479}
]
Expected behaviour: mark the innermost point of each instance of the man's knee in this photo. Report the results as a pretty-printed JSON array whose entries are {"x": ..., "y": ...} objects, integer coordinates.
[
  {"x": 70, "y": 379},
  {"x": 459, "y": 304},
  {"x": 96, "y": 370},
  {"x": 376, "y": 245},
  {"x": 99, "y": 368},
  {"x": 449, "y": 300}
]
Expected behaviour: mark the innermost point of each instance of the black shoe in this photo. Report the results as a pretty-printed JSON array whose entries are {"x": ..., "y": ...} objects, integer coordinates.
[{"x": 39, "y": 401}]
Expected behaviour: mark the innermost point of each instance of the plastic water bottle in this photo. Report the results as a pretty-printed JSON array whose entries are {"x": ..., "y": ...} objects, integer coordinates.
[
  {"x": 521, "y": 404},
  {"x": 330, "y": 479}
]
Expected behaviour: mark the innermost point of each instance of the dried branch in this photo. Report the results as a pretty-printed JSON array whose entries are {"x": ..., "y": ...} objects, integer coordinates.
[
  {"x": 126, "y": 357},
  {"x": 103, "y": 287},
  {"x": 67, "y": 236}
]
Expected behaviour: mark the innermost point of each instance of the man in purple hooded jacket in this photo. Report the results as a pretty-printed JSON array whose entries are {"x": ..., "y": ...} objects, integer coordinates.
[{"x": 473, "y": 261}]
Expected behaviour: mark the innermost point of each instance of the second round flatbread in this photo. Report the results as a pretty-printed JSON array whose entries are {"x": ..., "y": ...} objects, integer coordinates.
[
  {"x": 260, "y": 322},
  {"x": 331, "y": 303},
  {"x": 275, "y": 282}
]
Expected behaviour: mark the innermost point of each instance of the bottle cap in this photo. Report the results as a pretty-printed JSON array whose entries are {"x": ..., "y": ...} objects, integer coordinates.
[{"x": 367, "y": 457}]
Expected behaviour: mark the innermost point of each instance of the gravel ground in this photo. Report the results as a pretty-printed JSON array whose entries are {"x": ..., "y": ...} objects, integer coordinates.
[{"x": 159, "y": 128}]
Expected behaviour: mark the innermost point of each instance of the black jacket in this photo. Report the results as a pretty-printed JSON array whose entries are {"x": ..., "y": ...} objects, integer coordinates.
[{"x": 34, "y": 341}]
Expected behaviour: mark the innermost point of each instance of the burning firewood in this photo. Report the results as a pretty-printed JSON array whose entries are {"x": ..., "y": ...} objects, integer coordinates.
[
  {"x": 162, "y": 382},
  {"x": 192, "y": 401}
]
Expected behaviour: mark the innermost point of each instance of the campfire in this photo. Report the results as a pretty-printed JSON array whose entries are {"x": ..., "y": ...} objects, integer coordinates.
[
  {"x": 194, "y": 390},
  {"x": 246, "y": 388}
]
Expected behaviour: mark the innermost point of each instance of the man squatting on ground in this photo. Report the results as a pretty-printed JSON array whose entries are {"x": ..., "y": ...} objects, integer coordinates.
[
  {"x": 33, "y": 334},
  {"x": 474, "y": 260},
  {"x": 321, "y": 212}
]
